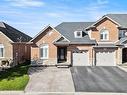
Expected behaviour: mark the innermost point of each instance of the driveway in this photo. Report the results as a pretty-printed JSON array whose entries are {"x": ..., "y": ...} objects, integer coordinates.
[
  {"x": 50, "y": 79},
  {"x": 99, "y": 79}
]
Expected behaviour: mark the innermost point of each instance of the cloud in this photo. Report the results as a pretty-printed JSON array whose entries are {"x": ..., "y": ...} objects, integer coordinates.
[
  {"x": 26, "y": 3},
  {"x": 97, "y": 8},
  {"x": 102, "y": 2},
  {"x": 53, "y": 14}
]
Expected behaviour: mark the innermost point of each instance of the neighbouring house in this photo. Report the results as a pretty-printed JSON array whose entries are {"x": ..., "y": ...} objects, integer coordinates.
[
  {"x": 100, "y": 43},
  {"x": 13, "y": 45}
]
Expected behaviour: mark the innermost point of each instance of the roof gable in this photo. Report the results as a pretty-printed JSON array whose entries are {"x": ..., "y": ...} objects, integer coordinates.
[
  {"x": 119, "y": 19},
  {"x": 43, "y": 31}
]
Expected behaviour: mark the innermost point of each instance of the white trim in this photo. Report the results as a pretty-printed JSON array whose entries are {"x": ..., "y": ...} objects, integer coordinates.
[
  {"x": 106, "y": 32},
  {"x": 76, "y": 36},
  {"x": 116, "y": 41},
  {"x": 89, "y": 33},
  {"x": 42, "y": 47},
  {"x": 56, "y": 39},
  {"x": 6, "y": 37},
  {"x": 44, "y": 30},
  {"x": 102, "y": 19},
  {"x": 107, "y": 42}
]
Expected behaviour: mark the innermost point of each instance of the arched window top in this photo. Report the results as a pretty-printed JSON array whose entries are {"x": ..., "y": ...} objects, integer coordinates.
[
  {"x": 104, "y": 30},
  {"x": 1, "y": 46},
  {"x": 104, "y": 34}
]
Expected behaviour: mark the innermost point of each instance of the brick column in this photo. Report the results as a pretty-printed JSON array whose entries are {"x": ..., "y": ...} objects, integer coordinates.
[{"x": 120, "y": 55}]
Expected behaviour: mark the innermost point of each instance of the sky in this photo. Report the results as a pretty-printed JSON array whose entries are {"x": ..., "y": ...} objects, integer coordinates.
[{"x": 31, "y": 16}]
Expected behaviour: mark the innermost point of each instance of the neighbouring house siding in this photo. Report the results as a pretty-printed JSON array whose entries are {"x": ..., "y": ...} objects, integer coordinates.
[
  {"x": 47, "y": 37},
  {"x": 34, "y": 53},
  {"x": 8, "y": 48},
  {"x": 109, "y": 25},
  {"x": 21, "y": 52}
]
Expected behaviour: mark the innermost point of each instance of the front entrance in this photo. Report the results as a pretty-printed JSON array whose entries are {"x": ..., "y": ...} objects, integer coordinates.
[
  {"x": 62, "y": 54},
  {"x": 124, "y": 55}
]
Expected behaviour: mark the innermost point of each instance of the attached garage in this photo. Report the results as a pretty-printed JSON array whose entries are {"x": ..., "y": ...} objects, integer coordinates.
[
  {"x": 105, "y": 57},
  {"x": 80, "y": 58}
]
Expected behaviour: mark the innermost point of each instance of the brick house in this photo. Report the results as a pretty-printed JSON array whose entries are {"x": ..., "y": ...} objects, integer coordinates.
[
  {"x": 13, "y": 44},
  {"x": 100, "y": 43}
]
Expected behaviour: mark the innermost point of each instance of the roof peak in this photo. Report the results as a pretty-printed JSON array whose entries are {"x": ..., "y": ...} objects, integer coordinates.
[{"x": 2, "y": 24}]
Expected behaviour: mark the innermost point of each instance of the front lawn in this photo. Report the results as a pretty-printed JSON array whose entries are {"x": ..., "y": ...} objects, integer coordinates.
[{"x": 15, "y": 78}]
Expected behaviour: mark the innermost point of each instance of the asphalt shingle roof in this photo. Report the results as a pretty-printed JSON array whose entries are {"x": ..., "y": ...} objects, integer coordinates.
[
  {"x": 119, "y": 18},
  {"x": 13, "y": 34},
  {"x": 67, "y": 29}
]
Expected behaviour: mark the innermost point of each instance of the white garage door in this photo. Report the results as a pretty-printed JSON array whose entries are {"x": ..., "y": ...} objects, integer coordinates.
[
  {"x": 80, "y": 59},
  {"x": 105, "y": 58}
]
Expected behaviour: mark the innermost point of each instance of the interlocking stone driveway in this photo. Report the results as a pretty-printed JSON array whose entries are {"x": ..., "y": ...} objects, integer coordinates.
[{"x": 50, "y": 79}]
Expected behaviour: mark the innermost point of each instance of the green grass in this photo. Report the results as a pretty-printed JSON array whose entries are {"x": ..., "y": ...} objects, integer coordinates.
[{"x": 15, "y": 78}]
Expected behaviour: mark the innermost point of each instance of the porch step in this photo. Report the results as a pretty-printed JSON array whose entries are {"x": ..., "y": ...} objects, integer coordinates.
[{"x": 61, "y": 65}]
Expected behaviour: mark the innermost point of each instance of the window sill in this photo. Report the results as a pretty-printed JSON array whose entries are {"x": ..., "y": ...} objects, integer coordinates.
[
  {"x": 44, "y": 58},
  {"x": 2, "y": 57},
  {"x": 104, "y": 40}
]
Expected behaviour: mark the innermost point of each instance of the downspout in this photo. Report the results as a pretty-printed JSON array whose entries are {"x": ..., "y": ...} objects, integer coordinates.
[{"x": 92, "y": 57}]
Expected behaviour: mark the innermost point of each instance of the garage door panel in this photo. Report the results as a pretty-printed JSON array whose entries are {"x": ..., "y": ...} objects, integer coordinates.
[
  {"x": 105, "y": 58},
  {"x": 80, "y": 59}
]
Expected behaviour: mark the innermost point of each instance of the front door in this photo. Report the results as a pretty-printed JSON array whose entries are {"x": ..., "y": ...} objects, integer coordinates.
[
  {"x": 124, "y": 55},
  {"x": 62, "y": 53}
]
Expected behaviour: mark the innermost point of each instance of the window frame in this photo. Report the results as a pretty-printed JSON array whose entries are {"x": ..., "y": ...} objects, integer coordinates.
[
  {"x": 76, "y": 34},
  {"x": 2, "y": 47},
  {"x": 103, "y": 34},
  {"x": 42, "y": 48}
]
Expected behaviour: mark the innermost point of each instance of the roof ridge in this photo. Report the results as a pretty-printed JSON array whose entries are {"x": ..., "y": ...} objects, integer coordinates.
[
  {"x": 79, "y": 22},
  {"x": 15, "y": 29},
  {"x": 117, "y": 14}
]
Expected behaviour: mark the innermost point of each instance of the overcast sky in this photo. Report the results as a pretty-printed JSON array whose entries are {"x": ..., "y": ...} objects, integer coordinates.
[{"x": 31, "y": 16}]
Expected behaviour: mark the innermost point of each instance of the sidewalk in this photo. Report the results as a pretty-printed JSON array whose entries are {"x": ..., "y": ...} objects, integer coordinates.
[{"x": 56, "y": 93}]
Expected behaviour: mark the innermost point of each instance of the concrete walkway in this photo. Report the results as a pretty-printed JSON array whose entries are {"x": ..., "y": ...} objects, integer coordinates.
[{"x": 50, "y": 79}]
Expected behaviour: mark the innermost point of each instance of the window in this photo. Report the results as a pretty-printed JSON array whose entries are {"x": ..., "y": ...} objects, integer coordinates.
[
  {"x": 44, "y": 52},
  {"x": 104, "y": 34},
  {"x": 1, "y": 50},
  {"x": 78, "y": 34},
  {"x": 122, "y": 33}
]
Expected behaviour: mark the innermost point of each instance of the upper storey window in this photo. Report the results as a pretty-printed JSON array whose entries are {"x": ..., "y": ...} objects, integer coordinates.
[
  {"x": 122, "y": 33},
  {"x": 104, "y": 34},
  {"x": 78, "y": 34}
]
